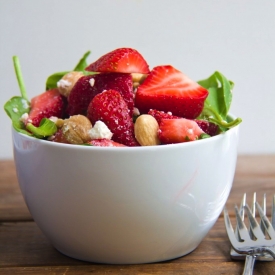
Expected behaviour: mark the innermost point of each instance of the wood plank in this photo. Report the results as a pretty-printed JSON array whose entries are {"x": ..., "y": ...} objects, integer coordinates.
[
  {"x": 158, "y": 269},
  {"x": 24, "y": 250},
  {"x": 12, "y": 205},
  {"x": 26, "y": 239},
  {"x": 256, "y": 167}
]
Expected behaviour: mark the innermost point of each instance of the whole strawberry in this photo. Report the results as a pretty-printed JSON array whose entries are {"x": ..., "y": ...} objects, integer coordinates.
[
  {"x": 159, "y": 115},
  {"x": 110, "y": 108},
  {"x": 122, "y": 60},
  {"x": 209, "y": 128},
  {"x": 87, "y": 87}
]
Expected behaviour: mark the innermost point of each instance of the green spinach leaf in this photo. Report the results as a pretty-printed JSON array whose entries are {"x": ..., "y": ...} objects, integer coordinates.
[
  {"x": 217, "y": 104},
  {"x": 82, "y": 64},
  {"x": 52, "y": 80},
  {"x": 15, "y": 108},
  {"x": 46, "y": 128}
]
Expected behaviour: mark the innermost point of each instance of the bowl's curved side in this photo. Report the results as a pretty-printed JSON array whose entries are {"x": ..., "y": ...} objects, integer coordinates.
[{"x": 126, "y": 206}]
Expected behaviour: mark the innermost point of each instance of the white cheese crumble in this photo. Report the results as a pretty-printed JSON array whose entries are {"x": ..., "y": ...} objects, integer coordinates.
[
  {"x": 63, "y": 83},
  {"x": 100, "y": 130},
  {"x": 53, "y": 119},
  {"x": 92, "y": 82},
  {"x": 24, "y": 118},
  {"x": 136, "y": 112},
  {"x": 15, "y": 110}
]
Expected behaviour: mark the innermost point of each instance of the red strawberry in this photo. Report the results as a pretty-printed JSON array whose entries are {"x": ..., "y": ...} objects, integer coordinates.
[
  {"x": 110, "y": 107},
  {"x": 45, "y": 105},
  {"x": 169, "y": 90},
  {"x": 59, "y": 137},
  {"x": 122, "y": 60},
  {"x": 159, "y": 115},
  {"x": 87, "y": 87},
  {"x": 178, "y": 130},
  {"x": 209, "y": 128},
  {"x": 105, "y": 143}
]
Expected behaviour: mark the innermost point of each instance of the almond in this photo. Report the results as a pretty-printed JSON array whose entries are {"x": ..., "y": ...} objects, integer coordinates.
[
  {"x": 146, "y": 130},
  {"x": 66, "y": 83},
  {"x": 76, "y": 129},
  {"x": 138, "y": 78}
]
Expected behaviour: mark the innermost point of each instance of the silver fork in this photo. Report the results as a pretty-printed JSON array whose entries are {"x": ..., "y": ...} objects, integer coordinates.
[
  {"x": 265, "y": 257},
  {"x": 252, "y": 243}
]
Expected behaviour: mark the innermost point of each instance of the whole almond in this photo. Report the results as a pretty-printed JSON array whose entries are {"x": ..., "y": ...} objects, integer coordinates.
[
  {"x": 76, "y": 129},
  {"x": 146, "y": 130},
  {"x": 66, "y": 83}
]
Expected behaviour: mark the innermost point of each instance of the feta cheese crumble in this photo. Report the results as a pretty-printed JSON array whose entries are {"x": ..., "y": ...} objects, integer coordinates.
[
  {"x": 100, "y": 130},
  {"x": 92, "y": 82},
  {"x": 24, "y": 118},
  {"x": 63, "y": 83}
]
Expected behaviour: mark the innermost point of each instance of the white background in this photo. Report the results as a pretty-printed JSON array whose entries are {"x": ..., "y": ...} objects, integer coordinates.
[{"x": 198, "y": 37}]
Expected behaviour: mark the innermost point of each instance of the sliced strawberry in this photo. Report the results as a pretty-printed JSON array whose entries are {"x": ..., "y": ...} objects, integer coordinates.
[
  {"x": 87, "y": 87},
  {"x": 110, "y": 107},
  {"x": 45, "y": 105},
  {"x": 178, "y": 130},
  {"x": 105, "y": 143},
  {"x": 169, "y": 90},
  {"x": 159, "y": 115},
  {"x": 209, "y": 128},
  {"x": 122, "y": 60}
]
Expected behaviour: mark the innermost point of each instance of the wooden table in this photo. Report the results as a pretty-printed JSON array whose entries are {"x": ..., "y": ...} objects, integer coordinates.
[{"x": 25, "y": 250}]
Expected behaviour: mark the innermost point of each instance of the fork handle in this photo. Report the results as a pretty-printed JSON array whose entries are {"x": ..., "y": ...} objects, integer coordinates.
[{"x": 249, "y": 264}]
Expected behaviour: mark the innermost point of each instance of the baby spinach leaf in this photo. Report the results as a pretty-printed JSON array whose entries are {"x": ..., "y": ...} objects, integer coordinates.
[
  {"x": 217, "y": 104},
  {"x": 46, "y": 128},
  {"x": 15, "y": 108},
  {"x": 18, "y": 105},
  {"x": 220, "y": 93},
  {"x": 82, "y": 64},
  {"x": 52, "y": 80}
]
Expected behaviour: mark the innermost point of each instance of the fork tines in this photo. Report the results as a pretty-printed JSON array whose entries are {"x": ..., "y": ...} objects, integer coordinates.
[{"x": 258, "y": 239}]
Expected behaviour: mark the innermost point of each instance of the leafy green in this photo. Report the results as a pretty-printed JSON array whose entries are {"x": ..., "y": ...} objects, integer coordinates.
[
  {"x": 46, "y": 128},
  {"x": 18, "y": 105},
  {"x": 204, "y": 135},
  {"x": 52, "y": 80},
  {"x": 82, "y": 64},
  {"x": 15, "y": 108},
  {"x": 217, "y": 104}
]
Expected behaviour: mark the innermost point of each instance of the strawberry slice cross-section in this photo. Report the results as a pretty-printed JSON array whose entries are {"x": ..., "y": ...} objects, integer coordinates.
[
  {"x": 45, "y": 105},
  {"x": 169, "y": 90},
  {"x": 178, "y": 130}
]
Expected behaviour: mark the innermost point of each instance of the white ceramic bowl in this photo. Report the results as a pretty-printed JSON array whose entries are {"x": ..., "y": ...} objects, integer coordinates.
[{"x": 126, "y": 205}]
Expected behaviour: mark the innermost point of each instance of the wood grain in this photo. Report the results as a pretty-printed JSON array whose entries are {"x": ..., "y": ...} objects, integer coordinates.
[{"x": 25, "y": 250}]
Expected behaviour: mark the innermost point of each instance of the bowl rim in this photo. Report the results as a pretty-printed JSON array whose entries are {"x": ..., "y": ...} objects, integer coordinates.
[{"x": 127, "y": 148}]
